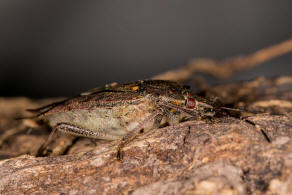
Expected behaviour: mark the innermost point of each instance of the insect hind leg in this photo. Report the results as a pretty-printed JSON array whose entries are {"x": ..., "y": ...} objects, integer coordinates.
[
  {"x": 66, "y": 128},
  {"x": 45, "y": 145}
]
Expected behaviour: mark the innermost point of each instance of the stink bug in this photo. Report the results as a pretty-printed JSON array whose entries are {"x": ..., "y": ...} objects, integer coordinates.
[{"x": 122, "y": 111}]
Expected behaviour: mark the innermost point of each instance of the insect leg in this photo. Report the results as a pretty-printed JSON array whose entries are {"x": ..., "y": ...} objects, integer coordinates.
[
  {"x": 45, "y": 145},
  {"x": 77, "y": 131},
  {"x": 157, "y": 115},
  {"x": 67, "y": 128}
]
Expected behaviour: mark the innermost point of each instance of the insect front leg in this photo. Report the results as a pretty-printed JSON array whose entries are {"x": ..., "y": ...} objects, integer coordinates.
[{"x": 155, "y": 117}]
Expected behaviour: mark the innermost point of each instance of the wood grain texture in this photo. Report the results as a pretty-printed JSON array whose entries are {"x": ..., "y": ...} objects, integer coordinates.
[{"x": 225, "y": 155}]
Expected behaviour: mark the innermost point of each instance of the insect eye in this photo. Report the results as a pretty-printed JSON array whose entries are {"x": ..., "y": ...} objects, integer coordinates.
[{"x": 191, "y": 103}]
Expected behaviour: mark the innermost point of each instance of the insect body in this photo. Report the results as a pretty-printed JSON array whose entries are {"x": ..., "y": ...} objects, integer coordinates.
[{"x": 122, "y": 111}]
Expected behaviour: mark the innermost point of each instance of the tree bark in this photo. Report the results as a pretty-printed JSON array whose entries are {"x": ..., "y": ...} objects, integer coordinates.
[{"x": 226, "y": 155}]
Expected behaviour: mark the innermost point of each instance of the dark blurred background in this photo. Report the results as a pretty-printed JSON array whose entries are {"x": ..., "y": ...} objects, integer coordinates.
[{"x": 59, "y": 48}]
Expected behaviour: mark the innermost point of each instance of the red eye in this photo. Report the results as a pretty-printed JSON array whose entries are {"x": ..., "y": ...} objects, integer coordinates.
[{"x": 191, "y": 103}]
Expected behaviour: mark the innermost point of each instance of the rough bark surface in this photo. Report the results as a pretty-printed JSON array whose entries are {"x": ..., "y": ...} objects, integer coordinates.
[{"x": 226, "y": 155}]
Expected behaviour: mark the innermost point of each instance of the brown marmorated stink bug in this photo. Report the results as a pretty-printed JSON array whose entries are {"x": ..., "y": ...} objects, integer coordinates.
[{"x": 123, "y": 111}]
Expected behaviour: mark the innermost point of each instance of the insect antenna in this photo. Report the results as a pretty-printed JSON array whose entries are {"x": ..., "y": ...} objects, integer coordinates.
[
  {"x": 242, "y": 115},
  {"x": 261, "y": 130}
]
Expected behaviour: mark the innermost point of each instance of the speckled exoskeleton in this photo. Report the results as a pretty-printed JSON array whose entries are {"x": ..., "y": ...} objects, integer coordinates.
[{"x": 122, "y": 111}]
